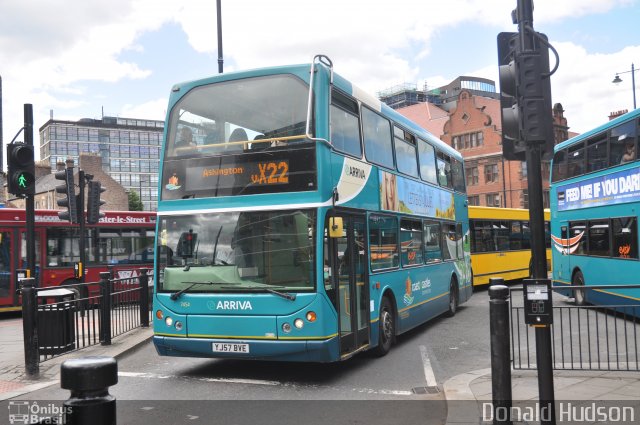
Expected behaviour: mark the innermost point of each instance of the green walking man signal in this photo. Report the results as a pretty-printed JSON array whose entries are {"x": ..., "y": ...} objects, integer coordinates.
[{"x": 21, "y": 178}]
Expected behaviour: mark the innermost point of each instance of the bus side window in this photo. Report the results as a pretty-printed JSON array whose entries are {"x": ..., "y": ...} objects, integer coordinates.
[
  {"x": 431, "y": 234},
  {"x": 576, "y": 160},
  {"x": 345, "y": 124},
  {"x": 625, "y": 237},
  {"x": 444, "y": 170},
  {"x": 559, "y": 170},
  {"x": 622, "y": 143}
]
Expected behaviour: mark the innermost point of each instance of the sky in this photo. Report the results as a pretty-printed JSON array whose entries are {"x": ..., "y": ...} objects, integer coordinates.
[{"x": 76, "y": 59}]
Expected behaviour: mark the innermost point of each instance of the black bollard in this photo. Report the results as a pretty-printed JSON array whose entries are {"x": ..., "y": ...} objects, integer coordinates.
[
  {"x": 144, "y": 298},
  {"x": 30, "y": 327},
  {"x": 105, "y": 308},
  {"x": 89, "y": 379},
  {"x": 500, "y": 356}
]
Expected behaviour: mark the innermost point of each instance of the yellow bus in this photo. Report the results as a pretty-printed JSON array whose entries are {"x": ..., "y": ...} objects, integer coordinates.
[{"x": 500, "y": 243}]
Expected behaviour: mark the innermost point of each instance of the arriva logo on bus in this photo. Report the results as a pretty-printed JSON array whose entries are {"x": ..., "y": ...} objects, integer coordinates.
[{"x": 234, "y": 305}]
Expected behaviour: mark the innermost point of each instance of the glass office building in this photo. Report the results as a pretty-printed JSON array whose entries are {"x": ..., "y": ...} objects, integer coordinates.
[{"x": 129, "y": 148}]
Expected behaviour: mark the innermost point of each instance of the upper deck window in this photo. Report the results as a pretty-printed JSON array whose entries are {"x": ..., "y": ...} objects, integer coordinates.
[
  {"x": 377, "y": 138},
  {"x": 623, "y": 143},
  {"x": 619, "y": 145},
  {"x": 345, "y": 124},
  {"x": 405, "y": 144},
  {"x": 427, "y": 156},
  {"x": 236, "y": 116},
  {"x": 240, "y": 137},
  {"x": 444, "y": 170}
]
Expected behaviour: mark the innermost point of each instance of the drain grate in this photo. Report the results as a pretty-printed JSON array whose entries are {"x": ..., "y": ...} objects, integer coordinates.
[{"x": 425, "y": 390}]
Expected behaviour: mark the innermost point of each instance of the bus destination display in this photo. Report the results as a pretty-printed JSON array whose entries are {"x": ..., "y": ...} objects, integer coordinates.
[{"x": 284, "y": 171}]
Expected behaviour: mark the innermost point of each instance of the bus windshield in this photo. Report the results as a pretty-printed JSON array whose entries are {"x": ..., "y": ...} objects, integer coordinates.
[
  {"x": 238, "y": 116},
  {"x": 237, "y": 251}
]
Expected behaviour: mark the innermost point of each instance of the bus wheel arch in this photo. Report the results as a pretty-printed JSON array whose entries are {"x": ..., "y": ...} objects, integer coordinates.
[
  {"x": 387, "y": 324},
  {"x": 454, "y": 296},
  {"x": 579, "y": 295}
]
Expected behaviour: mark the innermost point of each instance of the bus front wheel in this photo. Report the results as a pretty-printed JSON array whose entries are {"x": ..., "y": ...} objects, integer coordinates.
[
  {"x": 579, "y": 294},
  {"x": 386, "y": 328}
]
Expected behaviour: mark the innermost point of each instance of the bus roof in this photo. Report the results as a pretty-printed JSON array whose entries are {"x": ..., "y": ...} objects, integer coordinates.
[
  {"x": 619, "y": 120},
  {"x": 302, "y": 70}
]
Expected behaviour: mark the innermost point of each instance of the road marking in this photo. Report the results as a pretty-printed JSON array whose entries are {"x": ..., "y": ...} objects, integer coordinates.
[
  {"x": 256, "y": 382},
  {"x": 428, "y": 370},
  {"x": 222, "y": 380}
]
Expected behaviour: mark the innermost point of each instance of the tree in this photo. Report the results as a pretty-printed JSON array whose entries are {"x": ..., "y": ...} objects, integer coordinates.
[{"x": 135, "y": 204}]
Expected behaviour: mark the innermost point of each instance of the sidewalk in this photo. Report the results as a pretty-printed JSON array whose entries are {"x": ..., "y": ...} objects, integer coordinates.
[
  {"x": 13, "y": 378},
  {"x": 574, "y": 387},
  {"x": 465, "y": 393}
]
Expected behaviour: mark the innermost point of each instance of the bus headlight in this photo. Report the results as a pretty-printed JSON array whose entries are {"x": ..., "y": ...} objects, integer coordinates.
[
  {"x": 286, "y": 328},
  {"x": 178, "y": 325},
  {"x": 168, "y": 321},
  {"x": 311, "y": 316},
  {"x": 298, "y": 323}
]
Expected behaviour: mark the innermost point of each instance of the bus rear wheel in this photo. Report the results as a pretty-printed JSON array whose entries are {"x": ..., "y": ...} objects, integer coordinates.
[
  {"x": 579, "y": 295},
  {"x": 386, "y": 328},
  {"x": 453, "y": 299}
]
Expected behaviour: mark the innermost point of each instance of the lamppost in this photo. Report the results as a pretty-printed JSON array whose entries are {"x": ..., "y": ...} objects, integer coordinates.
[{"x": 618, "y": 80}]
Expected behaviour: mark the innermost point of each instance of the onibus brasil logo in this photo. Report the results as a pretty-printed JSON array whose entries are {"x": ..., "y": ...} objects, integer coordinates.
[{"x": 31, "y": 412}]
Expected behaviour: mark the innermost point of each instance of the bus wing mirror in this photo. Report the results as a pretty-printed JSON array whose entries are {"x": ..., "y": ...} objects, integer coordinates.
[{"x": 336, "y": 228}]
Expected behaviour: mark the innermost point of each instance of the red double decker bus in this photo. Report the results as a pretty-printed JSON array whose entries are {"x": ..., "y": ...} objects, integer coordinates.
[{"x": 122, "y": 239}]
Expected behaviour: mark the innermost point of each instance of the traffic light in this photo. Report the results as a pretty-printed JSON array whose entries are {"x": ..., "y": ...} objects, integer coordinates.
[
  {"x": 68, "y": 189},
  {"x": 535, "y": 88},
  {"x": 525, "y": 96},
  {"x": 21, "y": 179},
  {"x": 513, "y": 146},
  {"x": 94, "y": 202}
]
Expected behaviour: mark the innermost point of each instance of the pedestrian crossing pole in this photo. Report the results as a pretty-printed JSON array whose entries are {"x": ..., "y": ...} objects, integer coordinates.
[{"x": 29, "y": 201}]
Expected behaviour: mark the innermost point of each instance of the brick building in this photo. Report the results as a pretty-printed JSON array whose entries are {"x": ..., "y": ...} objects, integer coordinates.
[{"x": 472, "y": 125}]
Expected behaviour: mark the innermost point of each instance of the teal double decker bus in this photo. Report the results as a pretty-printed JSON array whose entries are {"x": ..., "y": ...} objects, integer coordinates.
[
  {"x": 300, "y": 219},
  {"x": 595, "y": 199}
]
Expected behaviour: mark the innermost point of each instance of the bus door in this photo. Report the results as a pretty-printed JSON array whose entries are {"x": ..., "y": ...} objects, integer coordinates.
[
  {"x": 349, "y": 268},
  {"x": 564, "y": 263},
  {"x": 8, "y": 295}
]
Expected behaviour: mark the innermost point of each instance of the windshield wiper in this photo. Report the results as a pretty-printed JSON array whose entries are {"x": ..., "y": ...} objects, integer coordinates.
[
  {"x": 177, "y": 294},
  {"x": 285, "y": 295}
]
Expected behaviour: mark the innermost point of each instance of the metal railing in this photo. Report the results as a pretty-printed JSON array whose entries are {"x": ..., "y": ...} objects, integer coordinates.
[
  {"x": 599, "y": 338},
  {"x": 57, "y": 320}
]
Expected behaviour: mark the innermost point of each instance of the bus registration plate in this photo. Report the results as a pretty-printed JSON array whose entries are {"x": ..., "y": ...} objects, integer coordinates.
[{"x": 220, "y": 347}]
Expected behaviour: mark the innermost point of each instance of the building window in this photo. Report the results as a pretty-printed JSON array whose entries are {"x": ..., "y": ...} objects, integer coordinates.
[
  {"x": 468, "y": 140},
  {"x": 474, "y": 200},
  {"x": 472, "y": 176},
  {"x": 492, "y": 199},
  {"x": 491, "y": 173}
]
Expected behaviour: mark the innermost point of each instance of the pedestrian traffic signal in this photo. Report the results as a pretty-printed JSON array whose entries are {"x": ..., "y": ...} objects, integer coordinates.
[
  {"x": 21, "y": 179},
  {"x": 94, "y": 202},
  {"x": 69, "y": 201}
]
